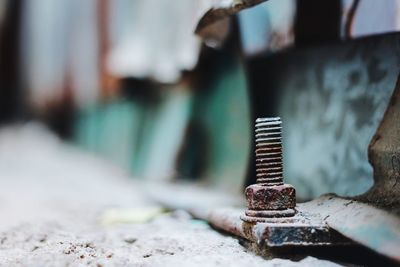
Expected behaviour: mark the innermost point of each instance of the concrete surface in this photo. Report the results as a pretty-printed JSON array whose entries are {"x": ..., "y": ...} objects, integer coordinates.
[{"x": 51, "y": 199}]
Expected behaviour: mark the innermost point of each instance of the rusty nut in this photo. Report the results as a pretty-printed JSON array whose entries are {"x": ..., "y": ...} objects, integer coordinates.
[{"x": 278, "y": 197}]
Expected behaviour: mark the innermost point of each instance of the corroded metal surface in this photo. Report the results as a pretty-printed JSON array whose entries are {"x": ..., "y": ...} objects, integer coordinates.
[
  {"x": 328, "y": 220},
  {"x": 384, "y": 156},
  {"x": 269, "y": 151},
  {"x": 320, "y": 222},
  {"x": 269, "y": 197},
  {"x": 278, "y": 197},
  {"x": 304, "y": 229},
  {"x": 332, "y": 99},
  {"x": 372, "y": 227}
]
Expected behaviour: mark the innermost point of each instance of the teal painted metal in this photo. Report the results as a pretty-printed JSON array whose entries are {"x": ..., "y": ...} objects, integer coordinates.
[
  {"x": 140, "y": 137},
  {"x": 332, "y": 99},
  {"x": 223, "y": 112}
]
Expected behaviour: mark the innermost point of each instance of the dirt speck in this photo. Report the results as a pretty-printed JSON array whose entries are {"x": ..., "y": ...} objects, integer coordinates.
[{"x": 130, "y": 240}]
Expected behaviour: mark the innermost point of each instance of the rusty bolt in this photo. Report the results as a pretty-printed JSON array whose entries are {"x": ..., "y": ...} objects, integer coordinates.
[
  {"x": 279, "y": 197},
  {"x": 269, "y": 197}
]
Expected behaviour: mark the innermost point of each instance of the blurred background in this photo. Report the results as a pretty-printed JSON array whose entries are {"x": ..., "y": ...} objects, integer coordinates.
[{"x": 169, "y": 90}]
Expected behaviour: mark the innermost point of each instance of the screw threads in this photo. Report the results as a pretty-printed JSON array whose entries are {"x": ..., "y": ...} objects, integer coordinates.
[
  {"x": 269, "y": 166},
  {"x": 269, "y": 200}
]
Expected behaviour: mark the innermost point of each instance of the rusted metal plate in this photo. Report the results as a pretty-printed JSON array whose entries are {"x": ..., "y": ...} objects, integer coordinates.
[
  {"x": 304, "y": 229},
  {"x": 362, "y": 223},
  {"x": 328, "y": 220},
  {"x": 316, "y": 224},
  {"x": 372, "y": 227}
]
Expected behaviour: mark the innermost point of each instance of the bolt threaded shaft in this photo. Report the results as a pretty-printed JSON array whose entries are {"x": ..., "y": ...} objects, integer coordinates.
[{"x": 269, "y": 166}]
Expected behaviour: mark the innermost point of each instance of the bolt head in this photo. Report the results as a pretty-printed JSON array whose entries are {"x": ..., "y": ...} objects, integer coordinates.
[{"x": 278, "y": 197}]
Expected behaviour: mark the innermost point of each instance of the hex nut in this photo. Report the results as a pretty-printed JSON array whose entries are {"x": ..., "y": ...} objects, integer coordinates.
[{"x": 262, "y": 197}]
